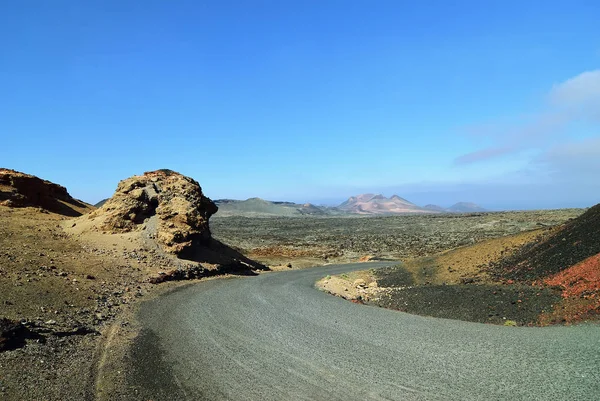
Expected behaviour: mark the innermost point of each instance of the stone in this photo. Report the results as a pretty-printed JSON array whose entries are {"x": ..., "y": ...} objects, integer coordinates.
[
  {"x": 360, "y": 283},
  {"x": 162, "y": 204}
]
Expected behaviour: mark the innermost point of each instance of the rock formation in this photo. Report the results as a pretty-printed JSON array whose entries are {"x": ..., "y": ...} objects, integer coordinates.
[
  {"x": 21, "y": 190},
  {"x": 166, "y": 205}
]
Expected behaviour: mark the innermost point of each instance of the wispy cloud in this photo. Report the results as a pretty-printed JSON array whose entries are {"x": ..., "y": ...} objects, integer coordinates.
[
  {"x": 575, "y": 99},
  {"x": 580, "y": 91},
  {"x": 483, "y": 154},
  {"x": 580, "y": 159}
]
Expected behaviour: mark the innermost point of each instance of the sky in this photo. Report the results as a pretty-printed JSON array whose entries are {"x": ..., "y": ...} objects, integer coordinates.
[{"x": 493, "y": 102}]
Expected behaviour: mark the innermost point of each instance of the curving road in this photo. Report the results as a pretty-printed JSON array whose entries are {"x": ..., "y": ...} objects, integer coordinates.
[{"x": 275, "y": 337}]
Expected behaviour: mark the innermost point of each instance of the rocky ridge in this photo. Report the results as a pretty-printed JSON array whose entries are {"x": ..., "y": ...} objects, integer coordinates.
[{"x": 24, "y": 190}]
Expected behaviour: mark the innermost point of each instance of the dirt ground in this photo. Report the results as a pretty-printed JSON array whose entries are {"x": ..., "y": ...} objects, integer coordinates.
[
  {"x": 76, "y": 294},
  {"x": 480, "y": 283},
  {"x": 71, "y": 293},
  {"x": 347, "y": 239}
]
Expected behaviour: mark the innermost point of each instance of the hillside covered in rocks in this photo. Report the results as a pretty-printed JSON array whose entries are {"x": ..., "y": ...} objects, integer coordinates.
[
  {"x": 60, "y": 274},
  {"x": 24, "y": 190}
]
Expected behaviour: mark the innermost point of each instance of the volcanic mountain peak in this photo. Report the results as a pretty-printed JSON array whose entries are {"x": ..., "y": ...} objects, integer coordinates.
[
  {"x": 465, "y": 207},
  {"x": 379, "y": 204},
  {"x": 396, "y": 197},
  {"x": 364, "y": 197},
  {"x": 434, "y": 208}
]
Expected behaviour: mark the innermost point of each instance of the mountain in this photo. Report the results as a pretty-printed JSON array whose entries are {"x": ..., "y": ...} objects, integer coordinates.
[
  {"x": 379, "y": 204},
  {"x": 435, "y": 208},
  {"x": 364, "y": 204},
  {"x": 257, "y": 207},
  {"x": 102, "y": 202},
  {"x": 465, "y": 207}
]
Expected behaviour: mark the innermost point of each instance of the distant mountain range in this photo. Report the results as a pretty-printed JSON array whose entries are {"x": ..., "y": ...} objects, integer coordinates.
[
  {"x": 365, "y": 204},
  {"x": 256, "y": 207}
]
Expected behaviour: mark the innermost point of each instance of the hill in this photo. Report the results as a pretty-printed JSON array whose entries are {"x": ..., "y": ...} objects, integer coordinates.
[
  {"x": 561, "y": 249},
  {"x": 465, "y": 207},
  {"x": 379, "y": 204},
  {"x": 257, "y": 207},
  {"x": 102, "y": 202},
  {"x": 435, "y": 208},
  {"x": 364, "y": 204},
  {"x": 568, "y": 258},
  {"x": 24, "y": 190}
]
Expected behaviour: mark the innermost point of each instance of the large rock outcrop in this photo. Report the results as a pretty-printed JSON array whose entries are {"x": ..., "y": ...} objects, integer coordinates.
[
  {"x": 167, "y": 206},
  {"x": 21, "y": 190}
]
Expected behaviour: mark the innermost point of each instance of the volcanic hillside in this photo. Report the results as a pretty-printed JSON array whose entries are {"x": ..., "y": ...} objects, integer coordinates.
[
  {"x": 256, "y": 207},
  {"x": 379, "y": 204},
  {"x": 569, "y": 259},
  {"x": 572, "y": 243},
  {"x": 23, "y": 190},
  {"x": 465, "y": 207}
]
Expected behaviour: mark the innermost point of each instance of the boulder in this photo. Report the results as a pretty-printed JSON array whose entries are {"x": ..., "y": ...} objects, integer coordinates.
[{"x": 168, "y": 206}]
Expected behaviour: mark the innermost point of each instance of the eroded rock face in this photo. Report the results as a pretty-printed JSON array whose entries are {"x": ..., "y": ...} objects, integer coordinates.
[
  {"x": 169, "y": 206},
  {"x": 21, "y": 190}
]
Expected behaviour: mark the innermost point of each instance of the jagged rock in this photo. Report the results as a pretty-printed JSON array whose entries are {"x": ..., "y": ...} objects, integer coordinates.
[
  {"x": 168, "y": 206},
  {"x": 21, "y": 190}
]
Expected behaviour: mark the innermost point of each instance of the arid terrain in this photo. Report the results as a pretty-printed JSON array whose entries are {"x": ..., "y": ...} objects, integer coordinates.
[
  {"x": 69, "y": 271},
  {"x": 537, "y": 277},
  {"x": 71, "y": 275},
  {"x": 316, "y": 241}
]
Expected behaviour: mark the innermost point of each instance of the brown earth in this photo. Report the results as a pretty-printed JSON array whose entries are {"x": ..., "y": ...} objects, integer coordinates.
[
  {"x": 21, "y": 190},
  {"x": 66, "y": 284},
  {"x": 64, "y": 281}
]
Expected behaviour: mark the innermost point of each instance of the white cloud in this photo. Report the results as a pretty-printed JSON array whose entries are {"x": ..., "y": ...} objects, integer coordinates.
[
  {"x": 574, "y": 160},
  {"x": 576, "y": 99},
  {"x": 580, "y": 91}
]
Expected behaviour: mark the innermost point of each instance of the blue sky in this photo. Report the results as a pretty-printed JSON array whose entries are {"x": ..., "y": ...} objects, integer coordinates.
[{"x": 496, "y": 102}]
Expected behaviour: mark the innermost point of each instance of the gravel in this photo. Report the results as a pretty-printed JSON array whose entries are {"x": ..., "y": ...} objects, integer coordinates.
[{"x": 275, "y": 337}]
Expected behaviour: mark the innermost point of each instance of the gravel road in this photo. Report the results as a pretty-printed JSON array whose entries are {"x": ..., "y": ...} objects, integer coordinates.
[{"x": 275, "y": 337}]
